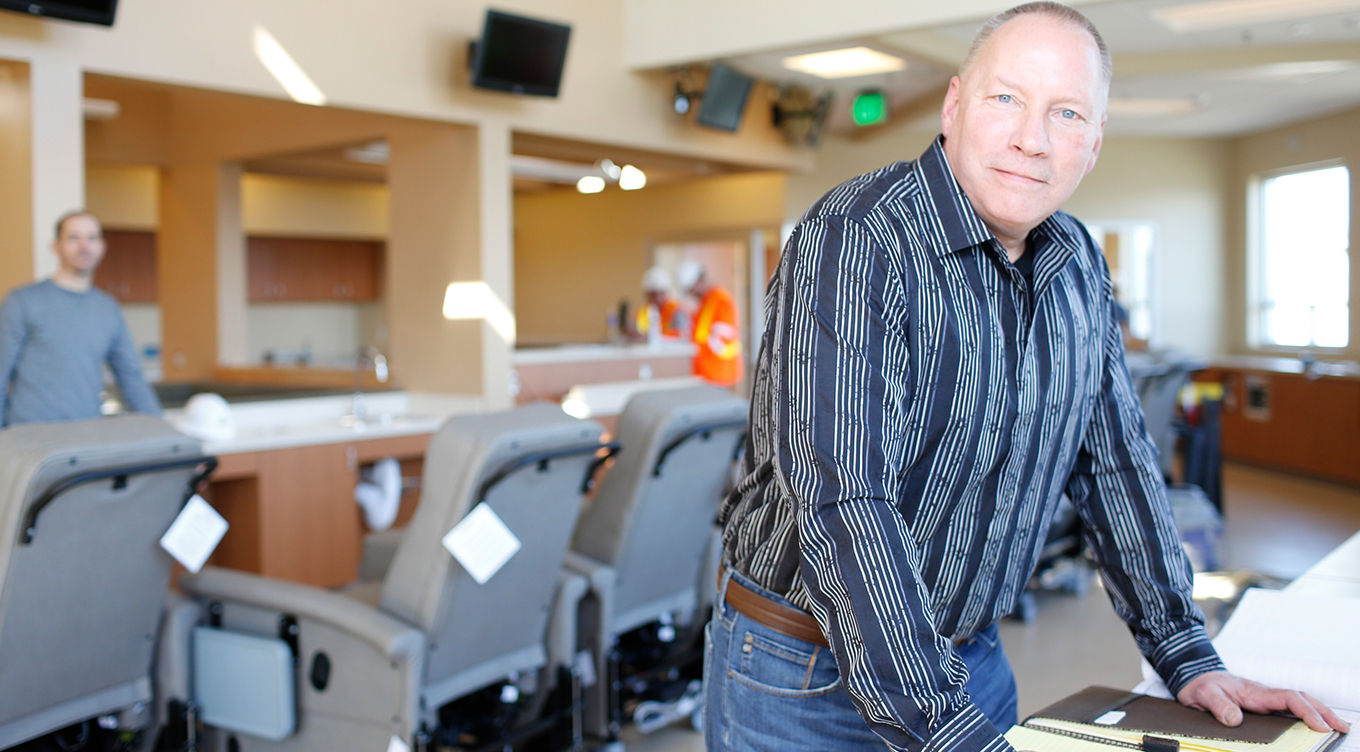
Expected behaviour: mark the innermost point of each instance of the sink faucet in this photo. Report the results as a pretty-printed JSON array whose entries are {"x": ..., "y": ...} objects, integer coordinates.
[{"x": 367, "y": 355}]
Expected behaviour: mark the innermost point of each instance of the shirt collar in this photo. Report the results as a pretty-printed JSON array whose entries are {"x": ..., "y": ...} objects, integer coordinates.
[{"x": 960, "y": 225}]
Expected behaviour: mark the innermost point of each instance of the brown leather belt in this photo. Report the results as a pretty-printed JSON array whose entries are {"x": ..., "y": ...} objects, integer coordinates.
[{"x": 782, "y": 618}]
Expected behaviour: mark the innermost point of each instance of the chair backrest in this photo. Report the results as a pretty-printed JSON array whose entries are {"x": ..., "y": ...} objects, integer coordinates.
[
  {"x": 655, "y": 508},
  {"x": 529, "y": 466},
  {"x": 82, "y": 576}
]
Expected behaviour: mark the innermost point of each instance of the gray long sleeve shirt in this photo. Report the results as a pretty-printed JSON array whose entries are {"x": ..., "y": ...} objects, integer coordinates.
[{"x": 53, "y": 343}]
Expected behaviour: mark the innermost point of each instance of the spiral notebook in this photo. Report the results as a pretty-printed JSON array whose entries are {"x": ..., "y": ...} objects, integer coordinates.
[{"x": 1100, "y": 719}]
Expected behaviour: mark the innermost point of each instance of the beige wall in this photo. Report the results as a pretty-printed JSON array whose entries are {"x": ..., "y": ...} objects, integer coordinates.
[
  {"x": 1179, "y": 185},
  {"x": 16, "y": 207},
  {"x": 1324, "y": 139},
  {"x": 124, "y": 197},
  {"x": 405, "y": 57},
  {"x": 276, "y": 205},
  {"x": 577, "y": 255}
]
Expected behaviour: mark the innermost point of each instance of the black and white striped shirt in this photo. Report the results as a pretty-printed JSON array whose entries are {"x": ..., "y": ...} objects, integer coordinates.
[{"x": 916, "y": 414}]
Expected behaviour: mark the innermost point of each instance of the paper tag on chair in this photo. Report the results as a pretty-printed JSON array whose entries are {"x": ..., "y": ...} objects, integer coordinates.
[
  {"x": 194, "y": 534},
  {"x": 481, "y": 543}
]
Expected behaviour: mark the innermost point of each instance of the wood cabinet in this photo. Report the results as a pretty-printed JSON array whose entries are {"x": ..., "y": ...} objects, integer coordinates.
[
  {"x": 312, "y": 269},
  {"x": 292, "y": 511},
  {"x": 128, "y": 271},
  {"x": 1291, "y": 422}
]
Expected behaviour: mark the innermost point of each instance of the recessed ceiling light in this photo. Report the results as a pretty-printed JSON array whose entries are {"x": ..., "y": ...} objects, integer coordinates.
[
  {"x": 852, "y": 61},
  {"x": 1224, "y": 14},
  {"x": 285, "y": 70},
  {"x": 1149, "y": 107}
]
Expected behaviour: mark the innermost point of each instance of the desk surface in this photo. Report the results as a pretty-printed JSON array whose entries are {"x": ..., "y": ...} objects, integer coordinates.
[{"x": 1337, "y": 575}]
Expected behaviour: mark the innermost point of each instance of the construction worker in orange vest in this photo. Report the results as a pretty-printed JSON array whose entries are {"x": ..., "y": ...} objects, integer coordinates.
[
  {"x": 717, "y": 332},
  {"x": 673, "y": 318}
]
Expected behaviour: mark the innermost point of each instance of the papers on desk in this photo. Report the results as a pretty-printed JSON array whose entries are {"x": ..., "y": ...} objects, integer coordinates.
[
  {"x": 1302, "y": 642},
  {"x": 1283, "y": 639}
]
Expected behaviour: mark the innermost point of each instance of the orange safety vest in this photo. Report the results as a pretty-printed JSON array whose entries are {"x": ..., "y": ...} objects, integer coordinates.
[
  {"x": 718, "y": 335},
  {"x": 670, "y": 311}
]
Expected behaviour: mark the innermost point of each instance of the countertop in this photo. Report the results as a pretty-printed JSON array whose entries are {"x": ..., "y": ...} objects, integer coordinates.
[
  {"x": 1319, "y": 368},
  {"x": 585, "y": 353},
  {"x": 308, "y": 421}
]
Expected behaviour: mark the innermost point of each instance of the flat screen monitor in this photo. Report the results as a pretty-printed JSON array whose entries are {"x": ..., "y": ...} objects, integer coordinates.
[
  {"x": 724, "y": 98},
  {"x": 87, "y": 11},
  {"x": 520, "y": 55}
]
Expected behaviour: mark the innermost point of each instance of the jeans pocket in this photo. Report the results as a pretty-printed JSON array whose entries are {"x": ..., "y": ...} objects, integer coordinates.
[{"x": 785, "y": 666}]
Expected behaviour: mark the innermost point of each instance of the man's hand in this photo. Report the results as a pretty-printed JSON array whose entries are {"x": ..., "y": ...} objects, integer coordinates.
[{"x": 1226, "y": 696}]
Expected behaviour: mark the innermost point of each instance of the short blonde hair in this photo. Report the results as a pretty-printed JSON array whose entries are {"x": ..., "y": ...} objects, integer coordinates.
[{"x": 1044, "y": 7}]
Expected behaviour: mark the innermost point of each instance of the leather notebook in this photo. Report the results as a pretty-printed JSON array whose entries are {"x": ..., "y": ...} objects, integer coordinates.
[{"x": 1097, "y": 719}]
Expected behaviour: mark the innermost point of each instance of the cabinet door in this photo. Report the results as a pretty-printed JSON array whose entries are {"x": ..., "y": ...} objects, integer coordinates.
[
  {"x": 313, "y": 269},
  {"x": 128, "y": 271},
  {"x": 310, "y": 526}
]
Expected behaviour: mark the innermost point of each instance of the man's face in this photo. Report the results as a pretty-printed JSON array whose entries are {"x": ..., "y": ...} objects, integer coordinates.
[
  {"x": 81, "y": 245},
  {"x": 1025, "y": 122}
]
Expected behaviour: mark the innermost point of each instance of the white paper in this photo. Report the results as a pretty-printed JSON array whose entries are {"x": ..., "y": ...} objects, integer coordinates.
[
  {"x": 194, "y": 534},
  {"x": 1111, "y": 718},
  {"x": 397, "y": 745},
  {"x": 1282, "y": 639},
  {"x": 481, "y": 543}
]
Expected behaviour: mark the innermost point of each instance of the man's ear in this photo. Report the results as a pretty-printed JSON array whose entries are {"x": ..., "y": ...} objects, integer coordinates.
[{"x": 951, "y": 106}]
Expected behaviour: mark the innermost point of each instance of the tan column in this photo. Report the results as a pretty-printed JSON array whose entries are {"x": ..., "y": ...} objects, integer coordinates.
[
  {"x": 497, "y": 256},
  {"x": 16, "y": 178},
  {"x": 186, "y": 265},
  {"x": 434, "y": 239},
  {"x": 58, "y": 139}
]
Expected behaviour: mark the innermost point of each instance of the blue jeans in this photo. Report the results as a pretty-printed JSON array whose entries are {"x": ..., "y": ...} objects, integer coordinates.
[{"x": 767, "y": 691}]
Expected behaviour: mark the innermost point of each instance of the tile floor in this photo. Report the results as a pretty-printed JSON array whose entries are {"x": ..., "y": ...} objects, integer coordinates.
[{"x": 1274, "y": 523}]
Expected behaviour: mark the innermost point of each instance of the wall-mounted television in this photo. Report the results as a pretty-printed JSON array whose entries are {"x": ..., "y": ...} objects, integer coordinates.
[
  {"x": 87, "y": 11},
  {"x": 520, "y": 55},
  {"x": 724, "y": 98}
]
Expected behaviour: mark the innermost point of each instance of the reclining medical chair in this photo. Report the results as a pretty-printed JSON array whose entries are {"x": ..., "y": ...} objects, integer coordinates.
[
  {"x": 649, "y": 543},
  {"x": 82, "y": 575},
  {"x": 435, "y": 656}
]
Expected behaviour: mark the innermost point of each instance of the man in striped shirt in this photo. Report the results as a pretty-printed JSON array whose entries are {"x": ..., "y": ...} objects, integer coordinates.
[{"x": 940, "y": 364}]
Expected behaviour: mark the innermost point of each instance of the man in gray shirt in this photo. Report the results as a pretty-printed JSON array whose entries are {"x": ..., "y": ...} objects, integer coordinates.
[{"x": 56, "y": 334}]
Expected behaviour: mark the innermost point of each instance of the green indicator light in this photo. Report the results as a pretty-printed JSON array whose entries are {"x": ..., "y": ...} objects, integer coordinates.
[{"x": 869, "y": 108}]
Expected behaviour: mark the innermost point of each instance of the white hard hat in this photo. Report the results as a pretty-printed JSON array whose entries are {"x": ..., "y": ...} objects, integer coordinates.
[
  {"x": 207, "y": 416},
  {"x": 688, "y": 273},
  {"x": 656, "y": 279}
]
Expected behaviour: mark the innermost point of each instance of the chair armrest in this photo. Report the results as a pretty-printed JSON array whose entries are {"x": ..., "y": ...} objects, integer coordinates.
[{"x": 392, "y": 637}]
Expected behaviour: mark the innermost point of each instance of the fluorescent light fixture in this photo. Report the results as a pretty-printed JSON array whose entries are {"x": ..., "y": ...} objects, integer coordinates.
[
  {"x": 1227, "y": 14},
  {"x": 285, "y": 70},
  {"x": 1301, "y": 71},
  {"x": 852, "y": 61},
  {"x": 590, "y": 184},
  {"x": 375, "y": 152},
  {"x": 1151, "y": 107},
  {"x": 475, "y": 300},
  {"x": 100, "y": 109},
  {"x": 631, "y": 178}
]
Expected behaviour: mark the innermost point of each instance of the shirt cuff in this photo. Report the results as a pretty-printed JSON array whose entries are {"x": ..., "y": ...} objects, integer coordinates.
[
  {"x": 1183, "y": 657},
  {"x": 966, "y": 731}
]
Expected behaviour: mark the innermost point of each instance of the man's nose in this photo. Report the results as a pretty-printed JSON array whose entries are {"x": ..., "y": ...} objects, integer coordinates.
[{"x": 1031, "y": 133}]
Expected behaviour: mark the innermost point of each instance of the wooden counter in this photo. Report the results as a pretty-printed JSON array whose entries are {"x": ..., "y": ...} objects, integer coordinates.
[
  {"x": 1275, "y": 415},
  {"x": 292, "y": 510}
]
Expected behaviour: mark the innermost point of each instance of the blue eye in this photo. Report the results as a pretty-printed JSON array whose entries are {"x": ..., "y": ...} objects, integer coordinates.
[
  {"x": 1004, "y": 98},
  {"x": 1069, "y": 114}
]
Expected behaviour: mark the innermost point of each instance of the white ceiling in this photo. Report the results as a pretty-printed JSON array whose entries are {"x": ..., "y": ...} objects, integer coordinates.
[{"x": 1241, "y": 78}]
